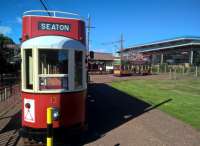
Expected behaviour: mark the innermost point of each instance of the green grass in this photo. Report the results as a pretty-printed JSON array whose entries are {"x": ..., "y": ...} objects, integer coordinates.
[{"x": 185, "y": 95}]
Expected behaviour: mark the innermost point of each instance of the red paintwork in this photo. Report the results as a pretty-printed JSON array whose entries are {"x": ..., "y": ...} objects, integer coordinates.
[
  {"x": 30, "y": 28},
  {"x": 71, "y": 105}
]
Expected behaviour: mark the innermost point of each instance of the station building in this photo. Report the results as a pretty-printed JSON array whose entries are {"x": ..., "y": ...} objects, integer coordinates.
[
  {"x": 182, "y": 50},
  {"x": 101, "y": 62}
]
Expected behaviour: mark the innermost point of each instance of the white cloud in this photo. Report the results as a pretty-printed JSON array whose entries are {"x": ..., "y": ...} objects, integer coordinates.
[
  {"x": 19, "y": 20},
  {"x": 5, "y": 29}
]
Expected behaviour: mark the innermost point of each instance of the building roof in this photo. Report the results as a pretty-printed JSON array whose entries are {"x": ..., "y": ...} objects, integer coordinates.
[
  {"x": 103, "y": 56},
  {"x": 10, "y": 46},
  {"x": 165, "y": 44}
]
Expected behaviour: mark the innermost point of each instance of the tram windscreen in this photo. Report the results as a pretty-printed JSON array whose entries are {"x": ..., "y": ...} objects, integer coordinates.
[{"x": 53, "y": 69}]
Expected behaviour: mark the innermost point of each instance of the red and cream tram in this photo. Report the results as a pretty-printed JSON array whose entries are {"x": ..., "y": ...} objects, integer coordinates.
[{"x": 53, "y": 56}]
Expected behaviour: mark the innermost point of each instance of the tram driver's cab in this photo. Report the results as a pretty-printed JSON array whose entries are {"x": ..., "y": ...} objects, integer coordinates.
[{"x": 53, "y": 64}]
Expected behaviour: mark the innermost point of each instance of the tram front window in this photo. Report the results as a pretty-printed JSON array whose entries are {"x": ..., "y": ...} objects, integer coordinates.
[{"x": 53, "y": 69}]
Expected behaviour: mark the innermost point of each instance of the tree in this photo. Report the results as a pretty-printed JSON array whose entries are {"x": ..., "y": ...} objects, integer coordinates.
[{"x": 5, "y": 66}]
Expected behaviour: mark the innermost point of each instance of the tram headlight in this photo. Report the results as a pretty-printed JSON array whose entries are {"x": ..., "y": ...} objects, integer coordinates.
[{"x": 56, "y": 113}]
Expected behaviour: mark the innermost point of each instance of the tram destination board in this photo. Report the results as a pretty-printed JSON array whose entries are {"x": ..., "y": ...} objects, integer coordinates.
[{"x": 49, "y": 26}]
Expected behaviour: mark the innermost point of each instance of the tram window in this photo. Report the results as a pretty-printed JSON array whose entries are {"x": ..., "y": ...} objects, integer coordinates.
[
  {"x": 78, "y": 69},
  {"x": 53, "y": 61},
  {"x": 53, "y": 69},
  {"x": 47, "y": 83},
  {"x": 29, "y": 68}
]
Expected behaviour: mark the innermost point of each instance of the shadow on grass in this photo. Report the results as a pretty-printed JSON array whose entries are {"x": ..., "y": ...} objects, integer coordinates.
[{"x": 109, "y": 108}]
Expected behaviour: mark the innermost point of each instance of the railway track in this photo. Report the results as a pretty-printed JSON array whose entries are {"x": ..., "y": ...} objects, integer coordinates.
[
  {"x": 9, "y": 138},
  {"x": 28, "y": 142},
  {"x": 10, "y": 121}
]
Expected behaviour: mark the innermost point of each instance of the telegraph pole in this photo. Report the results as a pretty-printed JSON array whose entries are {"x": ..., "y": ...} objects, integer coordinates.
[
  {"x": 88, "y": 34},
  {"x": 121, "y": 46},
  {"x": 121, "y": 41},
  {"x": 88, "y": 43}
]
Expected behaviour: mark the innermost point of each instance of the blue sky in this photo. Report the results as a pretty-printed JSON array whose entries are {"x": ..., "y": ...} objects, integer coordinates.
[{"x": 140, "y": 21}]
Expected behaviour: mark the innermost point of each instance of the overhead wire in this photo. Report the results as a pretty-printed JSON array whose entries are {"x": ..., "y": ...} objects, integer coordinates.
[
  {"x": 45, "y": 7},
  {"x": 47, "y": 4}
]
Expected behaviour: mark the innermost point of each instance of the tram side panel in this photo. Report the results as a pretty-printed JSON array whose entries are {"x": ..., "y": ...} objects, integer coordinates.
[{"x": 71, "y": 106}]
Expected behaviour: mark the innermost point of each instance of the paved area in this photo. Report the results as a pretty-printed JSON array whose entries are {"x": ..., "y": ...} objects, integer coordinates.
[
  {"x": 114, "y": 119},
  {"x": 110, "y": 78}
]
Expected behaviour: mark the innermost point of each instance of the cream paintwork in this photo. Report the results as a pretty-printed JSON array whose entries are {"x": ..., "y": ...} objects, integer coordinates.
[{"x": 53, "y": 42}]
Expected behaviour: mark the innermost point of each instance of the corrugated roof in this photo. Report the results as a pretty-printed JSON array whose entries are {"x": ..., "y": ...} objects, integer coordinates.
[{"x": 165, "y": 43}]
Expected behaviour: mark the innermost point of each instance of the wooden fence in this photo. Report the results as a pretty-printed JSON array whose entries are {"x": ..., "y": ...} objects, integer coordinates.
[{"x": 179, "y": 70}]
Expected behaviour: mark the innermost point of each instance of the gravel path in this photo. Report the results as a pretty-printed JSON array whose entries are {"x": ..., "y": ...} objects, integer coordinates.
[
  {"x": 110, "y": 78},
  {"x": 150, "y": 129}
]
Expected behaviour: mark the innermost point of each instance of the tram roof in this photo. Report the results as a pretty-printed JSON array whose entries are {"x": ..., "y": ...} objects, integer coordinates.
[{"x": 55, "y": 42}]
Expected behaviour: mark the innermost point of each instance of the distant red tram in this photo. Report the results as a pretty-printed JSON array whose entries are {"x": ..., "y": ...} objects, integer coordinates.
[{"x": 53, "y": 56}]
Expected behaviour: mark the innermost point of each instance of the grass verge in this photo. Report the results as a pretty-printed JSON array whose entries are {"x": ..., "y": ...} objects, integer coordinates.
[{"x": 185, "y": 95}]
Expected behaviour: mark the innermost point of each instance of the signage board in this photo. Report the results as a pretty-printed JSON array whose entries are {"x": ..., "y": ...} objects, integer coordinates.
[
  {"x": 34, "y": 26},
  {"x": 50, "y": 26}
]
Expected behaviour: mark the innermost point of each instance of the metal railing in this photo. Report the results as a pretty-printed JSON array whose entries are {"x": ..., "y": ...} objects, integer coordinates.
[
  {"x": 9, "y": 91},
  {"x": 52, "y": 14}
]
